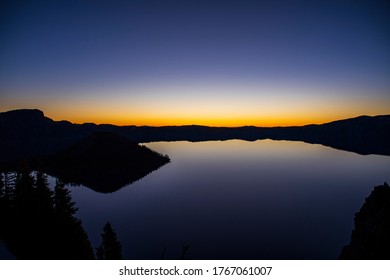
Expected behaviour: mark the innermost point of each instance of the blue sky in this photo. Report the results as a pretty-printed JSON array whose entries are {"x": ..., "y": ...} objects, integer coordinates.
[{"x": 209, "y": 62}]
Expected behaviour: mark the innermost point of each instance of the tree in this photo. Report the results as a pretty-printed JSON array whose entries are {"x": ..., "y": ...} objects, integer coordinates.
[
  {"x": 22, "y": 230},
  {"x": 44, "y": 196},
  {"x": 72, "y": 239},
  {"x": 110, "y": 248},
  {"x": 63, "y": 205},
  {"x": 24, "y": 194},
  {"x": 9, "y": 185}
]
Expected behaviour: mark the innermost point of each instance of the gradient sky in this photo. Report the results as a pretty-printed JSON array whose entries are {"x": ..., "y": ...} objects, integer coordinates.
[{"x": 221, "y": 63}]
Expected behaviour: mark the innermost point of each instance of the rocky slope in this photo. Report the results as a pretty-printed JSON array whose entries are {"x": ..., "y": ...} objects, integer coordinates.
[{"x": 370, "y": 239}]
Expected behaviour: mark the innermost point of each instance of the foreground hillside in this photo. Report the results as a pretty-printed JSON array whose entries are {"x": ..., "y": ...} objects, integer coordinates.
[{"x": 370, "y": 240}]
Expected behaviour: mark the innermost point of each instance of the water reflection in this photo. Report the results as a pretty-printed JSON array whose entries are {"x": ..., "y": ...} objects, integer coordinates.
[{"x": 238, "y": 200}]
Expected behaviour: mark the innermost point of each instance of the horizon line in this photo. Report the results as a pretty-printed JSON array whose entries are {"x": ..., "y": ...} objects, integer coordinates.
[{"x": 193, "y": 124}]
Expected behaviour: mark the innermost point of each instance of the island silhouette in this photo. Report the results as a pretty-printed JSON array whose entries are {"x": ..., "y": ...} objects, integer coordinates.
[{"x": 103, "y": 161}]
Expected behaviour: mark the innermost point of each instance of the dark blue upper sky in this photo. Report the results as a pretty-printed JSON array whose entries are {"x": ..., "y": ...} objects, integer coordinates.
[{"x": 55, "y": 48}]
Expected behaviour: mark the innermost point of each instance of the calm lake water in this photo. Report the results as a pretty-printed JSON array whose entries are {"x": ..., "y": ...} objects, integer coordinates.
[{"x": 238, "y": 200}]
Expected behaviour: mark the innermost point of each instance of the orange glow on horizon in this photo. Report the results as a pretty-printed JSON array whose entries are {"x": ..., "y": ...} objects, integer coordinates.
[
  {"x": 124, "y": 118},
  {"x": 212, "y": 107},
  {"x": 227, "y": 122}
]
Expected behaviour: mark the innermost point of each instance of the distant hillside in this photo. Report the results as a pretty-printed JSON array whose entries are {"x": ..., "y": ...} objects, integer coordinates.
[
  {"x": 103, "y": 161},
  {"x": 363, "y": 135},
  {"x": 26, "y": 133}
]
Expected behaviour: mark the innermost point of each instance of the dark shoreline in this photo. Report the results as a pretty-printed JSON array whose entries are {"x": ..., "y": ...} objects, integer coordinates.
[{"x": 27, "y": 133}]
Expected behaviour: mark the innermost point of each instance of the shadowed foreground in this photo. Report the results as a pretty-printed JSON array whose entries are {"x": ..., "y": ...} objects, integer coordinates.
[
  {"x": 40, "y": 224},
  {"x": 370, "y": 240}
]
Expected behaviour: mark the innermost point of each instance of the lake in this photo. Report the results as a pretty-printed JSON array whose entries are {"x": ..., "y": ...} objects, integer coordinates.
[{"x": 238, "y": 200}]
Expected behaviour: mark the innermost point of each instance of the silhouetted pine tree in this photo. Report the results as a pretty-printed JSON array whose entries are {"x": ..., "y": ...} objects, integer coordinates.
[
  {"x": 9, "y": 181},
  {"x": 72, "y": 240},
  {"x": 64, "y": 207},
  {"x": 6, "y": 211},
  {"x": 24, "y": 195},
  {"x": 44, "y": 219},
  {"x": 44, "y": 196},
  {"x": 110, "y": 248},
  {"x": 22, "y": 230}
]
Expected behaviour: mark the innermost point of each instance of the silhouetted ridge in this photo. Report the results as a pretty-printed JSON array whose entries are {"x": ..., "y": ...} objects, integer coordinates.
[
  {"x": 103, "y": 162},
  {"x": 28, "y": 133},
  {"x": 23, "y": 133},
  {"x": 370, "y": 239},
  {"x": 364, "y": 134},
  {"x": 23, "y": 115}
]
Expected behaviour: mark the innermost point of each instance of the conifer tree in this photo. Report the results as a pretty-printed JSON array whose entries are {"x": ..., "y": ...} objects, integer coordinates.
[
  {"x": 22, "y": 229},
  {"x": 63, "y": 205},
  {"x": 44, "y": 196},
  {"x": 9, "y": 181},
  {"x": 110, "y": 248},
  {"x": 25, "y": 196},
  {"x": 73, "y": 242}
]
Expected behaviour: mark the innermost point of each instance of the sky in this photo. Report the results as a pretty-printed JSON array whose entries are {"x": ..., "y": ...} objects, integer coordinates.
[{"x": 217, "y": 63}]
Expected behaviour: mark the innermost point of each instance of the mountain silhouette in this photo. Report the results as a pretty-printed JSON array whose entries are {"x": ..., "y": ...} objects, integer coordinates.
[
  {"x": 28, "y": 133},
  {"x": 103, "y": 161}
]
